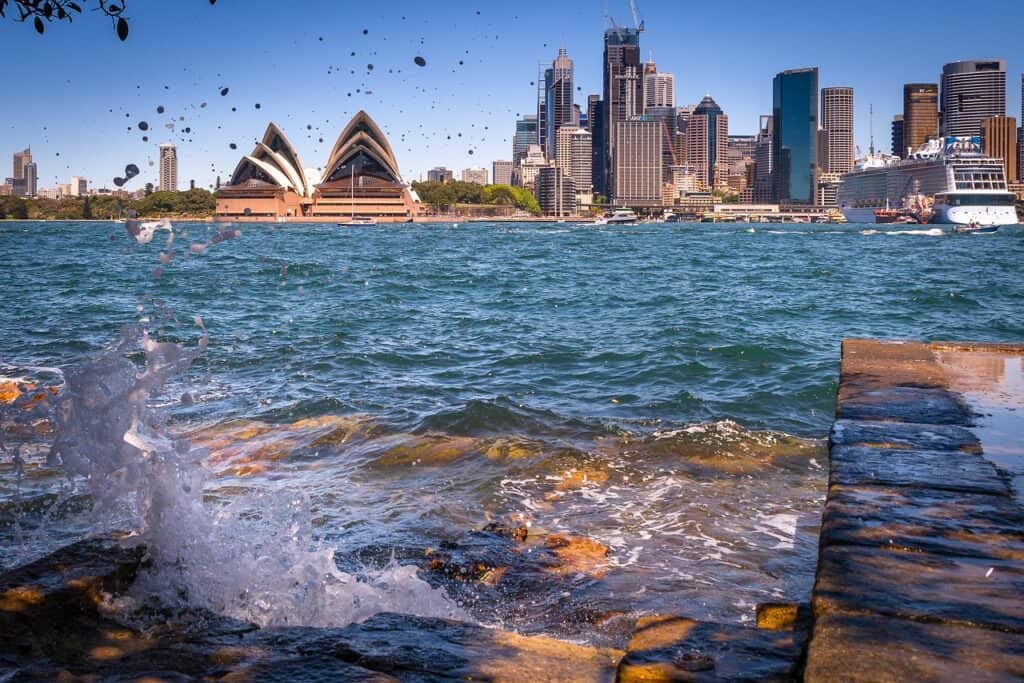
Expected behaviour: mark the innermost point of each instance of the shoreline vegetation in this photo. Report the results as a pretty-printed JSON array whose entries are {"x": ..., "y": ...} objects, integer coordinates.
[
  {"x": 446, "y": 196},
  {"x": 198, "y": 204}
]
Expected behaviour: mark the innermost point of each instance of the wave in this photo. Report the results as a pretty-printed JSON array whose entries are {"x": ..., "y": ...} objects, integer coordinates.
[{"x": 930, "y": 232}]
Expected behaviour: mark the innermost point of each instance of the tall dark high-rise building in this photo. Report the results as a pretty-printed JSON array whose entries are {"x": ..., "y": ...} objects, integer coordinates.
[
  {"x": 920, "y": 116},
  {"x": 795, "y": 136},
  {"x": 623, "y": 89},
  {"x": 837, "y": 122},
  {"x": 558, "y": 105},
  {"x": 898, "y": 148},
  {"x": 707, "y": 142},
  {"x": 544, "y": 78},
  {"x": 20, "y": 160},
  {"x": 971, "y": 92},
  {"x": 593, "y": 103},
  {"x": 599, "y": 149}
]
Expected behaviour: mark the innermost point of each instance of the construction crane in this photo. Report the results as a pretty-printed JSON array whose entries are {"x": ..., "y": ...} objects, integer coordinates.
[{"x": 637, "y": 21}]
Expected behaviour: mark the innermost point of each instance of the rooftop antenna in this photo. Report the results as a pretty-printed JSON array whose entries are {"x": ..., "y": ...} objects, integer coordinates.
[{"x": 871, "y": 125}]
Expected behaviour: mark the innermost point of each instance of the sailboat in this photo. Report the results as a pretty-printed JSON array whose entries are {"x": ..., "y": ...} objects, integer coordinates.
[{"x": 354, "y": 221}]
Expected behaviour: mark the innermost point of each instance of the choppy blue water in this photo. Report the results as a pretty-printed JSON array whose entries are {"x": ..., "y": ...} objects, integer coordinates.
[
  {"x": 632, "y": 324},
  {"x": 660, "y": 389}
]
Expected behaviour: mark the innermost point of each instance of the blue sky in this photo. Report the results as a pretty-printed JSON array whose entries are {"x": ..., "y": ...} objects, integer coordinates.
[{"x": 73, "y": 93}]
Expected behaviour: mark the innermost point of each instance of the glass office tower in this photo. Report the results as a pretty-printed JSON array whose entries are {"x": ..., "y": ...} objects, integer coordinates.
[{"x": 795, "y": 136}]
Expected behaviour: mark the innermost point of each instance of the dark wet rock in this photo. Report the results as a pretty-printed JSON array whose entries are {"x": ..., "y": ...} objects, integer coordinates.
[
  {"x": 415, "y": 648},
  {"x": 906, "y": 404},
  {"x": 924, "y": 521},
  {"x": 903, "y": 435},
  {"x": 921, "y": 586},
  {"x": 667, "y": 648},
  {"x": 53, "y": 627},
  {"x": 856, "y": 647},
  {"x": 947, "y": 470},
  {"x": 508, "y": 529}
]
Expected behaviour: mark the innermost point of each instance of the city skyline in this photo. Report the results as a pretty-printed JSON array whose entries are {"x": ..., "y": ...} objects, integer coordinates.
[{"x": 470, "y": 110}]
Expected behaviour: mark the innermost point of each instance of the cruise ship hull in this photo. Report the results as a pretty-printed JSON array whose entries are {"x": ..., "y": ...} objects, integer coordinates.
[{"x": 977, "y": 215}]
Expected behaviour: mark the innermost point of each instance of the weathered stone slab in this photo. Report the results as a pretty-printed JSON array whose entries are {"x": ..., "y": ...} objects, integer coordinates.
[
  {"x": 903, "y": 435},
  {"x": 924, "y": 520},
  {"x": 905, "y": 404},
  {"x": 849, "y": 647},
  {"x": 948, "y": 470},
  {"x": 666, "y": 648},
  {"x": 922, "y": 586}
]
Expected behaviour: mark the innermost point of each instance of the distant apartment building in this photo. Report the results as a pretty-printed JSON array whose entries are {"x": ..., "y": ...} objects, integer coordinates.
[
  {"x": 525, "y": 172},
  {"x": 168, "y": 168},
  {"x": 999, "y": 139},
  {"x": 837, "y": 122},
  {"x": 477, "y": 176},
  {"x": 659, "y": 88},
  {"x": 795, "y": 136},
  {"x": 763, "y": 156},
  {"x": 972, "y": 91},
  {"x": 440, "y": 174},
  {"x": 526, "y": 135},
  {"x": 555, "y": 192},
  {"x": 501, "y": 172},
  {"x": 575, "y": 158},
  {"x": 638, "y": 162},
  {"x": 897, "y": 136},
  {"x": 707, "y": 141},
  {"x": 78, "y": 187},
  {"x": 920, "y": 116}
]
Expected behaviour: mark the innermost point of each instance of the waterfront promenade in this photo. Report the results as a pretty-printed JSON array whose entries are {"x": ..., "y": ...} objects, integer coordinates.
[{"x": 921, "y": 566}]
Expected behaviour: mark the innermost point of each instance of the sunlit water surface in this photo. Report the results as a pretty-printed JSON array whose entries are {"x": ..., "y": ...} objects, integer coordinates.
[{"x": 648, "y": 402}]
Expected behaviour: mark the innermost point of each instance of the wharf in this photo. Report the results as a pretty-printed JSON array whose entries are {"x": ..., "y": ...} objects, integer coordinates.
[{"x": 921, "y": 563}]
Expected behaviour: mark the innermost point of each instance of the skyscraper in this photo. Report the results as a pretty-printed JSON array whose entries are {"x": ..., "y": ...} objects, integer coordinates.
[
  {"x": 795, "y": 135},
  {"x": 763, "y": 158},
  {"x": 707, "y": 141},
  {"x": 558, "y": 109},
  {"x": 31, "y": 177},
  {"x": 78, "y": 187},
  {"x": 638, "y": 174},
  {"x": 898, "y": 148},
  {"x": 575, "y": 158},
  {"x": 659, "y": 89},
  {"x": 920, "y": 116},
  {"x": 599, "y": 138},
  {"x": 501, "y": 172},
  {"x": 20, "y": 159},
  {"x": 623, "y": 90},
  {"x": 593, "y": 110},
  {"x": 526, "y": 135},
  {"x": 971, "y": 92},
  {"x": 837, "y": 120},
  {"x": 999, "y": 139},
  {"x": 168, "y": 168},
  {"x": 668, "y": 119}
]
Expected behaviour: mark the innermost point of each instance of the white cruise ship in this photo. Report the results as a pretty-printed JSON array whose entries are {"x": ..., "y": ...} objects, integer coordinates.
[{"x": 947, "y": 181}]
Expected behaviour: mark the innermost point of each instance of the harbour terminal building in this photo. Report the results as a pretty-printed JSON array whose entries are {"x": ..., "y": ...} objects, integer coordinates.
[{"x": 361, "y": 179}]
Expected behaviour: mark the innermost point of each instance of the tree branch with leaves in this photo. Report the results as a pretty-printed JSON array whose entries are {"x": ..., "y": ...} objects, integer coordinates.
[{"x": 43, "y": 12}]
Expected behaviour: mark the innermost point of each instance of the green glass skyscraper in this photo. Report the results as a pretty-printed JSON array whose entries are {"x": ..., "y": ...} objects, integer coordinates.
[{"x": 795, "y": 136}]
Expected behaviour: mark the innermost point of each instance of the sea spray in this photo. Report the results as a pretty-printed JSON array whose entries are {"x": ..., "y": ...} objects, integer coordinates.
[{"x": 254, "y": 559}]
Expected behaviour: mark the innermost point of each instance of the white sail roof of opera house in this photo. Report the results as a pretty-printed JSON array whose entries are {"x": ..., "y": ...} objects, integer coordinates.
[
  {"x": 363, "y": 146},
  {"x": 273, "y": 161}
]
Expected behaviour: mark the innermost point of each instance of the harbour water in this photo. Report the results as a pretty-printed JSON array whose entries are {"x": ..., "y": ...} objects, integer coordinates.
[{"x": 550, "y": 424}]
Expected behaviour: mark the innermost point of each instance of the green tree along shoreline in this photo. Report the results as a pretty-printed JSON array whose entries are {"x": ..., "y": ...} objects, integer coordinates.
[
  {"x": 192, "y": 203},
  {"x": 443, "y": 196}
]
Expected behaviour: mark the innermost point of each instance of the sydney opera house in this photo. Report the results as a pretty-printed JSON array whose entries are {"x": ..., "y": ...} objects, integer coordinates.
[{"x": 360, "y": 180}]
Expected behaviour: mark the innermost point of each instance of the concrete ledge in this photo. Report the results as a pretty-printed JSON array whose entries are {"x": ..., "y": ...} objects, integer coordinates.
[{"x": 921, "y": 565}]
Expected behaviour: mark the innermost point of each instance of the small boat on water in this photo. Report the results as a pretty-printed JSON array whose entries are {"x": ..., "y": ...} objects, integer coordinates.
[
  {"x": 357, "y": 221},
  {"x": 622, "y": 217},
  {"x": 975, "y": 228}
]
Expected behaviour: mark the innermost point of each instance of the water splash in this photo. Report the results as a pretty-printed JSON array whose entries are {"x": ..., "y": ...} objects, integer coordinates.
[{"x": 255, "y": 559}]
